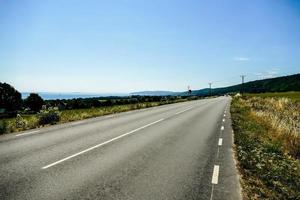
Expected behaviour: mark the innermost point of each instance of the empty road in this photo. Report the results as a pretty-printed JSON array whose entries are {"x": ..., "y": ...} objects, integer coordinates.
[{"x": 176, "y": 151}]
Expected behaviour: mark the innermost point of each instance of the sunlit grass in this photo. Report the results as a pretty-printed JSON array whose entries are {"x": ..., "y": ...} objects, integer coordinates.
[
  {"x": 72, "y": 115},
  {"x": 282, "y": 115},
  {"x": 266, "y": 132},
  {"x": 32, "y": 121},
  {"x": 291, "y": 95}
]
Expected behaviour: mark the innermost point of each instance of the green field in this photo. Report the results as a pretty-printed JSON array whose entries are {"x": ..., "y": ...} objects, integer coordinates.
[{"x": 291, "y": 95}]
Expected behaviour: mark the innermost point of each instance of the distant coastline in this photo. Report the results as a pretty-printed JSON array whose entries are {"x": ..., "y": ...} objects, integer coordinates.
[{"x": 71, "y": 95}]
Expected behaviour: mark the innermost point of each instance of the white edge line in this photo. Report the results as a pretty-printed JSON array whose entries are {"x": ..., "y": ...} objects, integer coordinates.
[
  {"x": 220, "y": 141},
  {"x": 28, "y": 133},
  {"x": 101, "y": 144},
  {"x": 215, "y": 176}
]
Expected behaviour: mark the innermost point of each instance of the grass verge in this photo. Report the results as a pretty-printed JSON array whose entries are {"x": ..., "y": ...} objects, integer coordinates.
[
  {"x": 266, "y": 133},
  {"x": 25, "y": 122},
  {"x": 291, "y": 95}
]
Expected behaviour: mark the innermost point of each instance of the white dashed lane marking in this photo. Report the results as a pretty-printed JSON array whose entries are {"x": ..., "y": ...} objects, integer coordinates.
[
  {"x": 215, "y": 176},
  {"x": 101, "y": 144},
  {"x": 183, "y": 111},
  {"x": 220, "y": 141}
]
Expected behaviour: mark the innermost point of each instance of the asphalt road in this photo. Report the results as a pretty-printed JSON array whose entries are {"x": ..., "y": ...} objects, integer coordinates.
[{"x": 177, "y": 151}]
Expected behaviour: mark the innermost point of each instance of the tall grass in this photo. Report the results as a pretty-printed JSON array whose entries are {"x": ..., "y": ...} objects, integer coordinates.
[
  {"x": 33, "y": 121},
  {"x": 295, "y": 96},
  {"x": 78, "y": 114},
  {"x": 266, "y": 133},
  {"x": 30, "y": 122},
  {"x": 283, "y": 115}
]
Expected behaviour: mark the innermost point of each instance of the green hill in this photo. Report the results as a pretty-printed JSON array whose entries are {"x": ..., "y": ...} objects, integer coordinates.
[{"x": 279, "y": 84}]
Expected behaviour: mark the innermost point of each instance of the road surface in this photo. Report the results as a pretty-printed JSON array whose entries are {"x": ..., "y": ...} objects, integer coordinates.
[{"x": 176, "y": 151}]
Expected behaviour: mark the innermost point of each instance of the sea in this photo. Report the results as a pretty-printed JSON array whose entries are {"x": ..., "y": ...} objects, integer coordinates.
[{"x": 71, "y": 95}]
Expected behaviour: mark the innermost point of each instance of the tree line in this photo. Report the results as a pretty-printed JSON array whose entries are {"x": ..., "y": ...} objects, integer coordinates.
[{"x": 11, "y": 101}]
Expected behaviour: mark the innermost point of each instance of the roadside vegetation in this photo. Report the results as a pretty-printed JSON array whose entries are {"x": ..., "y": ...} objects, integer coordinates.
[
  {"x": 291, "y": 95},
  {"x": 267, "y": 145},
  {"x": 53, "y": 116},
  {"x": 18, "y": 114}
]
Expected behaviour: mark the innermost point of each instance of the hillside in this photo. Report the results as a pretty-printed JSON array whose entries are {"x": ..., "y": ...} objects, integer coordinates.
[{"x": 278, "y": 84}]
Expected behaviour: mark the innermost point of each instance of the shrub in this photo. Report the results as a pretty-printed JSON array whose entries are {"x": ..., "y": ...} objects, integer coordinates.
[
  {"x": 2, "y": 126},
  {"x": 10, "y": 98},
  {"x": 34, "y": 102},
  {"x": 20, "y": 122},
  {"x": 48, "y": 117}
]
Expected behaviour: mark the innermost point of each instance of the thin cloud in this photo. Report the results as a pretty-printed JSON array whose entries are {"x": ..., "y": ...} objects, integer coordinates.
[{"x": 241, "y": 58}]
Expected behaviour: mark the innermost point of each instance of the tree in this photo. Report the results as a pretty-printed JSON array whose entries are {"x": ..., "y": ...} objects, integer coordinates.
[
  {"x": 10, "y": 98},
  {"x": 34, "y": 102}
]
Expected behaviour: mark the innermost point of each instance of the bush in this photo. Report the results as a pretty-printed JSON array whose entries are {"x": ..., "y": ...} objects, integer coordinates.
[
  {"x": 48, "y": 117},
  {"x": 10, "y": 98},
  {"x": 34, "y": 102},
  {"x": 2, "y": 127},
  {"x": 20, "y": 122}
]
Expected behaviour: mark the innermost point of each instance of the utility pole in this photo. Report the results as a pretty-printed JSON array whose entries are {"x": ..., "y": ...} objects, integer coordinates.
[
  {"x": 210, "y": 88},
  {"x": 189, "y": 90},
  {"x": 242, "y": 87}
]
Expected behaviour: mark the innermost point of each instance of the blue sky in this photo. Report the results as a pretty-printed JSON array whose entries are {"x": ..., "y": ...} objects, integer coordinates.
[{"x": 135, "y": 45}]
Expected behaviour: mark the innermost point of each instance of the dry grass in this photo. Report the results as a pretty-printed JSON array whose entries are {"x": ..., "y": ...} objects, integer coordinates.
[
  {"x": 283, "y": 116},
  {"x": 266, "y": 133},
  {"x": 26, "y": 122},
  {"x": 295, "y": 96}
]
